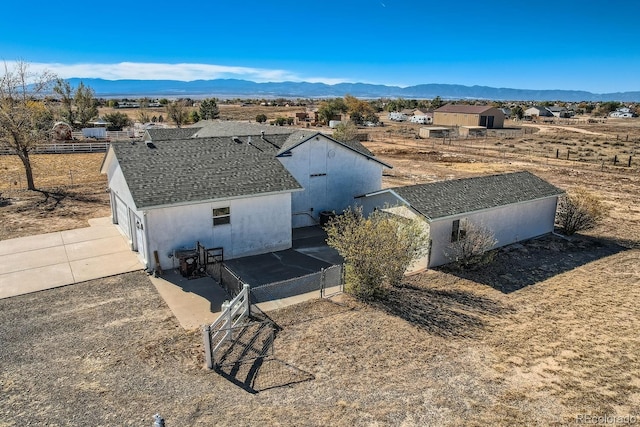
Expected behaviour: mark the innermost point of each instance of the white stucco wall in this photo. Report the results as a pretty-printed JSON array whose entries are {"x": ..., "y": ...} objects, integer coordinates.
[
  {"x": 331, "y": 176},
  {"x": 259, "y": 224},
  {"x": 509, "y": 224}
]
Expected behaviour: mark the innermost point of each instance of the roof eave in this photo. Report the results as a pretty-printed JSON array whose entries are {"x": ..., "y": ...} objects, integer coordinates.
[
  {"x": 287, "y": 152},
  {"x": 220, "y": 199},
  {"x": 439, "y": 218}
]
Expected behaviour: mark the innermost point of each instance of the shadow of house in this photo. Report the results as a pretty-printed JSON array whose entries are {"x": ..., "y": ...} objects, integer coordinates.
[
  {"x": 442, "y": 312},
  {"x": 523, "y": 264}
]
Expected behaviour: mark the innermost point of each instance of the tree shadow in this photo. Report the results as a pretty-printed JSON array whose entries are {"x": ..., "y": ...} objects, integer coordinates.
[
  {"x": 52, "y": 199},
  {"x": 442, "y": 312},
  {"x": 4, "y": 201},
  {"x": 523, "y": 264}
]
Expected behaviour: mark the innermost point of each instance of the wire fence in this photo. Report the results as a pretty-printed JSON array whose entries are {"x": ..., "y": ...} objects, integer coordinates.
[{"x": 326, "y": 278}]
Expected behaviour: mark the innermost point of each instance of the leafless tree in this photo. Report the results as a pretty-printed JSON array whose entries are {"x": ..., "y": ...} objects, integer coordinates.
[
  {"x": 472, "y": 245},
  {"x": 25, "y": 117},
  {"x": 177, "y": 112}
]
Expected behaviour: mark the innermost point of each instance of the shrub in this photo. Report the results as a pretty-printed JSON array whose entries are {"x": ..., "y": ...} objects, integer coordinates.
[
  {"x": 579, "y": 210},
  {"x": 472, "y": 247},
  {"x": 377, "y": 250}
]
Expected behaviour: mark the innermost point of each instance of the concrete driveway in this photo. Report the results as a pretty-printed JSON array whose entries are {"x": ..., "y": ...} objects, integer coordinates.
[{"x": 45, "y": 261}]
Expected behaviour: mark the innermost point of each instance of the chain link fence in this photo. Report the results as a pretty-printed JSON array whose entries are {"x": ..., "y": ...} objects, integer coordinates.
[{"x": 326, "y": 278}]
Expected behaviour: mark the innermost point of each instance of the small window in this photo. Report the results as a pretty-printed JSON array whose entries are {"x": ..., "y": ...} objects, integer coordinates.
[
  {"x": 221, "y": 216},
  {"x": 458, "y": 233},
  {"x": 455, "y": 229}
]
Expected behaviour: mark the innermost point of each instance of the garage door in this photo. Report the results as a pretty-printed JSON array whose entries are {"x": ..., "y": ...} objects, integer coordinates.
[{"x": 122, "y": 216}]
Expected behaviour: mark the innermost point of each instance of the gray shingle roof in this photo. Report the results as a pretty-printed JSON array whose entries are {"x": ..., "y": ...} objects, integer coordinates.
[
  {"x": 200, "y": 169},
  {"x": 162, "y": 134},
  {"x": 454, "y": 197},
  {"x": 211, "y": 128},
  {"x": 301, "y": 136}
]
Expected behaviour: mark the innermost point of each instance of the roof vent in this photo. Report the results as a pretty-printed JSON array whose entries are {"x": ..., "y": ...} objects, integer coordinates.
[
  {"x": 236, "y": 139},
  {"x": 262, "y": 134},
  {"x": 150, "y": 144}
]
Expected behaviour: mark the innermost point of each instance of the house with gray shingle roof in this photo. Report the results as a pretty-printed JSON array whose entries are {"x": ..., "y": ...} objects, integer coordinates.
[
  {"x": 242, "y": 190},
  {"x": 514, "y": 206}
]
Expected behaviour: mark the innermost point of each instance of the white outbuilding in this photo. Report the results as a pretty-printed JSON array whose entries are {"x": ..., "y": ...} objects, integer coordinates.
[{"x": 513, "y": 206}]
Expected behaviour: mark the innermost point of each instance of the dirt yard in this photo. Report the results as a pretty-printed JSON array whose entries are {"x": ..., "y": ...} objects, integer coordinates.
[
  {"x": 72, "y": 192},
  {"x": 545, "y": 335}
]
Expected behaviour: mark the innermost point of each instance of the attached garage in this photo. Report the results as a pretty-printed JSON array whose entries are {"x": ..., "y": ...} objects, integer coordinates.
[{"x": 122, "y": 216}]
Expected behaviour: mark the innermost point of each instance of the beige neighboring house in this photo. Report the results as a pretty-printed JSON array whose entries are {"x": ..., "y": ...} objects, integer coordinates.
[
  {"x": 469, "y": 115},
  {"x": 538, "y": 111}
]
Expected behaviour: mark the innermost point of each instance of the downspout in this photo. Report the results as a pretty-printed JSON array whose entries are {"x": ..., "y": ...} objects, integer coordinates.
[{"x": 147, "y": 246}]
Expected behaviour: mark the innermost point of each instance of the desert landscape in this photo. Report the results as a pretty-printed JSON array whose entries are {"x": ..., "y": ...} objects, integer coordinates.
[{"x": 546, "y": 335}]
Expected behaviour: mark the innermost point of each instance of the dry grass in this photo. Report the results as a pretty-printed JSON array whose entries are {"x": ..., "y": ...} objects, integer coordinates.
[
  {"x": 443, "y": 350},
  {"x": 73, "y": 191}
]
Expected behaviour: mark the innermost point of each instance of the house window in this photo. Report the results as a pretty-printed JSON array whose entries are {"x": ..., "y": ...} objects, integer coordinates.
[
  {"x": 221, "y": 216},
  {"x": 458, "y": 232}
]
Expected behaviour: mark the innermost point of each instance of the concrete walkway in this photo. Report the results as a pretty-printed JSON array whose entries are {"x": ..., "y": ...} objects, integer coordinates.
[{"x": 35, "y": 263}]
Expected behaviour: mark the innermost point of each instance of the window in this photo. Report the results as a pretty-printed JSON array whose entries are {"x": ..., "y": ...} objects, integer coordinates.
[
  {"x": 457, "y": 233},
  {"x": 221, "y": 216}
]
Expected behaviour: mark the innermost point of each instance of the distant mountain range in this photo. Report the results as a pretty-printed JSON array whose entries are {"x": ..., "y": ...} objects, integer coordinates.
[{"x": 233, "y": 88}]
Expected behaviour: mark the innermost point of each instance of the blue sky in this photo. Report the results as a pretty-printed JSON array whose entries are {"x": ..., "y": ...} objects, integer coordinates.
[{"x": 568, "y": 44}]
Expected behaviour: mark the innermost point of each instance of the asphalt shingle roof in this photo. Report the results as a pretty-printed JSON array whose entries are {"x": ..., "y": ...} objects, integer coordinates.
[
  {"x": 454, "y": 197},
  {"x": 303, "y": 135},
  {"x": 200, "y": 169},
  {"x": 162, "y": 134},
  {"x": 210, "y": 128}
]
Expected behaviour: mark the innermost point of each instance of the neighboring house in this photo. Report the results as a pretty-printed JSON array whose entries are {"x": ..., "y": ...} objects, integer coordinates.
[
  {"x": 468, "y": 115},
  {"x": 559, "y": 112},
  {"x": 623, "y": 113},
  {"x": 514, "y": 206},
  {"x": 538, "y": 111},
  {"x": 243, "y": 193}
]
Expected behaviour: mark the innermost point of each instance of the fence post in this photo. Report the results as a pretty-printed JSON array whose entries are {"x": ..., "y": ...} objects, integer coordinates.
[
  {"x": 227, "y": 308},
  {"x": 247, "y": 304},
  {"x": 206, "y": 335}
]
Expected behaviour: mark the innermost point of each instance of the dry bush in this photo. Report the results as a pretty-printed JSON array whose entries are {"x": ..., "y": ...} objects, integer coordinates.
[
  {"x": 377, "y": 250},
  {"x": 473, "y": 248},
  {"x": 579, "y": 210}
]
